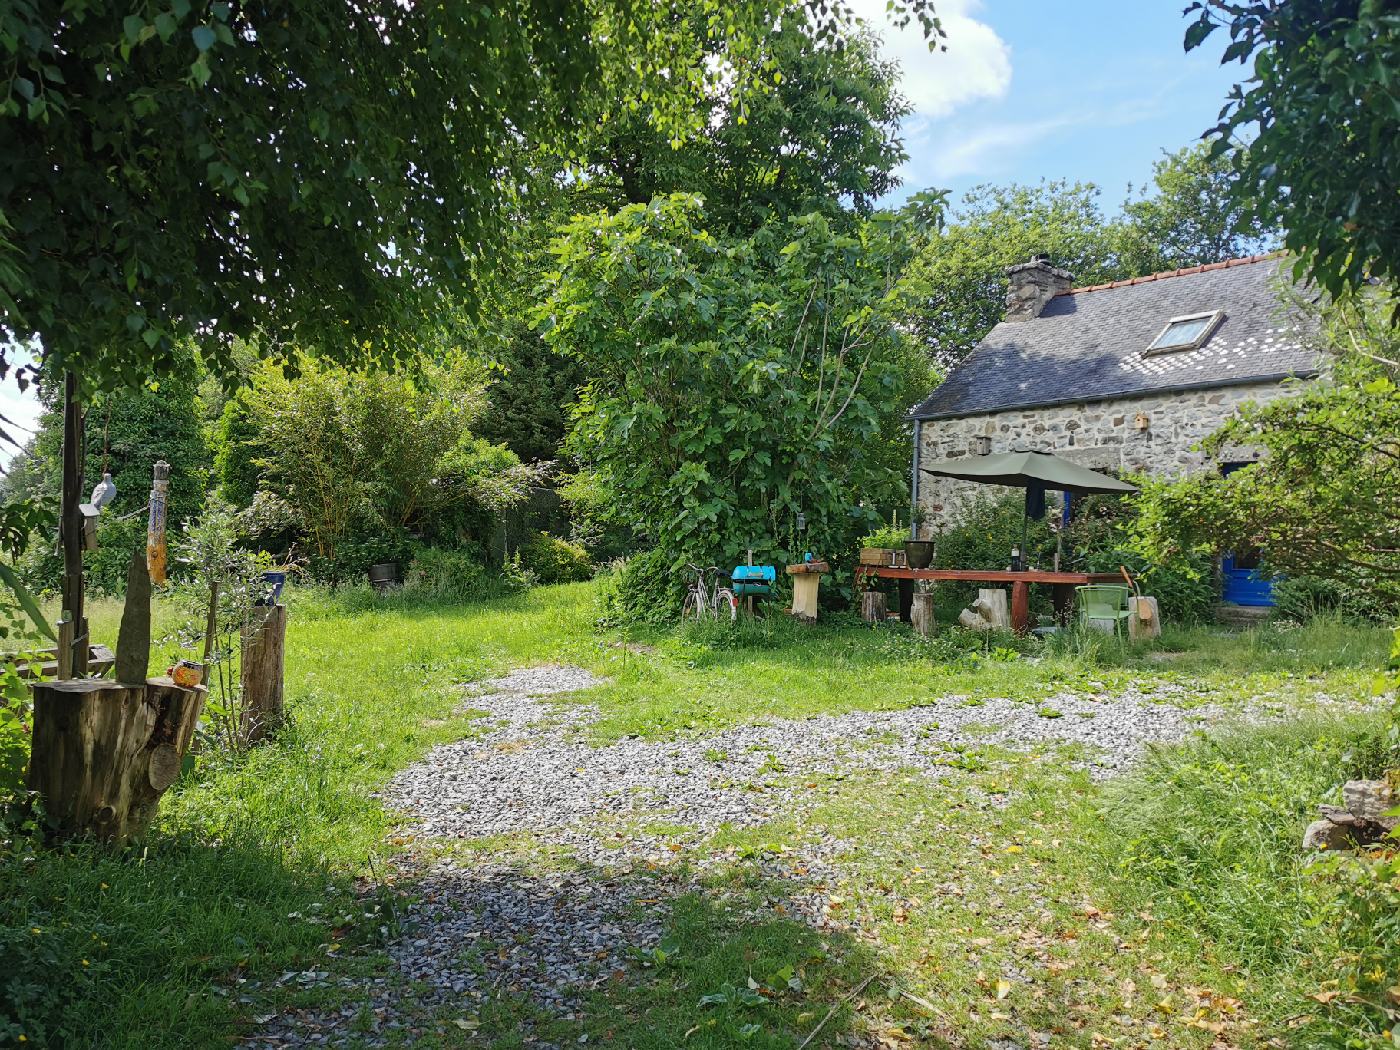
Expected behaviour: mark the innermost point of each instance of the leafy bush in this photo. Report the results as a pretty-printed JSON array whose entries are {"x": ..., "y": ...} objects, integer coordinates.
[
  {"x": 987, "y": 530},
  {"x": 1304, "y": 598},
  {"x": 646, "y": 588},
  {"x": 1101, "y": 538},
  {"x": 554, "y": 560},
  {"x": 449, "y": 575},
  {"x": 735, "y": 383},
  {"x": 990, "y": 526}
]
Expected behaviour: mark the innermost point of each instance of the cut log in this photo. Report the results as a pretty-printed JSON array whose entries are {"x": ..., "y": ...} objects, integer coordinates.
[
  {"x": 874, "y": 606},
  {"x": 921, "y": 614},
  {"x": 264, "y": 646},
  {"x": 992, "y": 605},
  {"x": 805, "y": 588},
  {"x": 104, "y": 752},
  {"x": 1144, "y": 620}
]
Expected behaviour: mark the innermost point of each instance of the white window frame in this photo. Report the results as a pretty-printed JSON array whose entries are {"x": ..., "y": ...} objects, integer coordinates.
[{"x": 1213, "y": 319}]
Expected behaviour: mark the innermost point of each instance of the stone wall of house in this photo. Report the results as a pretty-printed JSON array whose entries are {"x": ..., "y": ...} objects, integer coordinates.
[{"x": 1153, "y": 434}]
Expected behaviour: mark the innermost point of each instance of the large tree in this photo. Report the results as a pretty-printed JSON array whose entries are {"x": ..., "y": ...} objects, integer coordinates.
[
  {"x": 823, "y": 137},
  {"x": 327, "y": 174},
  {"x": 1314, "y": 130},
  {"x": 736, "y": 383},
  {"x": 1188, "y": 215},
  {"x": 955, "y": 289}
]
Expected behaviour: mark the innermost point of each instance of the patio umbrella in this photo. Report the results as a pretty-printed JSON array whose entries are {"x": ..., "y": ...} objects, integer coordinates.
[{"x": 1027, "y": 470}]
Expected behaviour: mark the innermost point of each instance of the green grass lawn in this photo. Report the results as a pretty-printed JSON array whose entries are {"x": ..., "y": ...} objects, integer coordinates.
[{"x": 1173, "y": 901}]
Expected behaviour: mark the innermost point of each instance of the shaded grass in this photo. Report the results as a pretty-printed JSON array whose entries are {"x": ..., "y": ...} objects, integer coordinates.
[{"x": 242, "y": 845}]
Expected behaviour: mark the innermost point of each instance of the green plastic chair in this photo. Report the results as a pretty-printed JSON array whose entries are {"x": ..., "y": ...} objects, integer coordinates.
[{"x": 1099, "y": 602}]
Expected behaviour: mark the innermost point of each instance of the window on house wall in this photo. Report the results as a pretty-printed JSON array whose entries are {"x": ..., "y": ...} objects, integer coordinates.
[{"x": 1185, "y": 333}]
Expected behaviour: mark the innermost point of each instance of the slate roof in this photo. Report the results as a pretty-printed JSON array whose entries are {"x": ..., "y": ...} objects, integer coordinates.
[{"x": 1088, "y": 344}]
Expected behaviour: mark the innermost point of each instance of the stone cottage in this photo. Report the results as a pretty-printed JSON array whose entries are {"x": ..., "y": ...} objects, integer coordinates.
[{"x": 1121, "y": 377}]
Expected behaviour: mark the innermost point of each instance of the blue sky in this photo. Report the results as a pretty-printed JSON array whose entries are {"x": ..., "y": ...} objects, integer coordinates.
[{"x": 1089, "y": 90}]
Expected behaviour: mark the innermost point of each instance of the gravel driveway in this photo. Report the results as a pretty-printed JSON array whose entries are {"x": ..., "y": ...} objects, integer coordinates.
[{"x": 546, "y": 932}]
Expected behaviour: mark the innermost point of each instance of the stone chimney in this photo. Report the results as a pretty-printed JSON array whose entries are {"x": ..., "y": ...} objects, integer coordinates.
[{"x": 1033, "y": 284}]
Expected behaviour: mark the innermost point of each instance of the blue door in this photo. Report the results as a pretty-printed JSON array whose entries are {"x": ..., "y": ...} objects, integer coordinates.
[{"x": 1241, "y": 583}]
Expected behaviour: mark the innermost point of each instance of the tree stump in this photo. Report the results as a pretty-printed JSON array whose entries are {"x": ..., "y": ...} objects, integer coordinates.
[
  {"x": 921, "y": 614},
  {"x": 103, "y": 752},
  {"x": 264, "y": 648},
  {"x": 1142, "y": 627},
  {"x": 874, "y": 606}
]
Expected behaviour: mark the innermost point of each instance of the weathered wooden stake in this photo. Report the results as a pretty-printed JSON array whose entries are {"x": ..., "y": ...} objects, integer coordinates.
[
  {"x": 103, "y": 753},
  {"x": 70, "y": 526},
  {"x": 211, "y": 627},
  {"x": 134, "y": 637},
  {"x": 264, "y": 645}
]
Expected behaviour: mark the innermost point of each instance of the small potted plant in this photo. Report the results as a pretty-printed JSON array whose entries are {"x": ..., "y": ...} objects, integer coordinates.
[
  {"x": 919, "y": 552},
  {"x": 884, "y": 546}
]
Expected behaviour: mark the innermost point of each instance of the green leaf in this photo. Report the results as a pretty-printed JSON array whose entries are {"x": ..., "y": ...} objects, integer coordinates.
[
  {"x": 132, "y": 26},
  {"x": 11, "y": 579},
  {"x": 203, "y": 37}
]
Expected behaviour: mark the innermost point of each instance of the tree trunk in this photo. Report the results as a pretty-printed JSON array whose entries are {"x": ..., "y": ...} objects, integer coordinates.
[
  {"x": 921, "y": 614},
  {"x": 264, "y": 646},
  {"x": 103, "y": 753},
  {"x": 873, "y": 606}
]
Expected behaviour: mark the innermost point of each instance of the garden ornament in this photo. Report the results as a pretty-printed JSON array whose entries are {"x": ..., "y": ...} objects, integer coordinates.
[{"x": 103, "y": 492}]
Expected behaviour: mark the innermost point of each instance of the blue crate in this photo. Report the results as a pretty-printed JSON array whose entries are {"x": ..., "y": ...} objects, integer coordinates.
[{"x": 754, "y": 581}]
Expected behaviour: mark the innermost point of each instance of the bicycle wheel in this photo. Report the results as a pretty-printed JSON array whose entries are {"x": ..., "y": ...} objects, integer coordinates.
[
  {"x": 690, "y": 608},
  {"x": 724, "y": 599}
]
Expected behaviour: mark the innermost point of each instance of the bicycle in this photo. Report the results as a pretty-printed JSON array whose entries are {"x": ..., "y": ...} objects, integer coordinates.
[{"x": 705, "y": 598}]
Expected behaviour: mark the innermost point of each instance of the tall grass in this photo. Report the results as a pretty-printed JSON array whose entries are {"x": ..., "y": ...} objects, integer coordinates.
[{"x": 1207, "y": 837}]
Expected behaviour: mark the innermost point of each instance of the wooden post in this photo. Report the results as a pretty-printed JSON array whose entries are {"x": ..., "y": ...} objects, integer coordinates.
[
  {"x": 264, "y": 645},
  {"x": 806, "y": 588},
  {"x": 70, "y": 525},
  {"x": 211, "y": 627},
  {"x": 134, "y": 638},
  {"x": 63, "y": 655},
  {"x": 1021, "y": 606},
  {"x": 873, "y": 606},
  {"x": 103, "y": 753},
  {"x": 921, "y": 614},
  {"x": 155, "y": 522}
]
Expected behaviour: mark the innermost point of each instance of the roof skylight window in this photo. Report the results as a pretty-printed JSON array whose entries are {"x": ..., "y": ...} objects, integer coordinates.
[{"x": 1185, "y": 333}]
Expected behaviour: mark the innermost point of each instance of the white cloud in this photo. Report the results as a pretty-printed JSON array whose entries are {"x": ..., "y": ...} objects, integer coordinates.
[
  {"x": 981, "y": 150},
  {"x": 991, "y": 148},
  {"x": 976, "y": 65}
]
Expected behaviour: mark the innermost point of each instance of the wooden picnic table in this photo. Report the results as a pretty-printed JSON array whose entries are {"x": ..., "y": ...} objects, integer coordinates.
[{"x": 1062, "y": 586}]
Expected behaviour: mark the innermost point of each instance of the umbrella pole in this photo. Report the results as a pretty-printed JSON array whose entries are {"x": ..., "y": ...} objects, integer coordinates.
[{"x": 1025, "y": 525}]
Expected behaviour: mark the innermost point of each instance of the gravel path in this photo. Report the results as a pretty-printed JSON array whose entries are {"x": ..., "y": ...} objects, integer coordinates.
[{"x": 483, "y": 928}]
